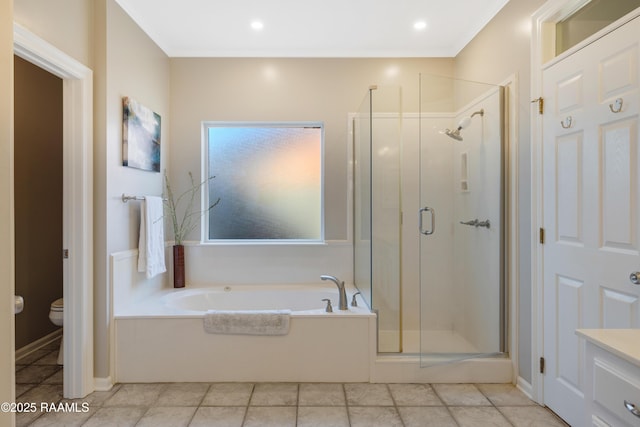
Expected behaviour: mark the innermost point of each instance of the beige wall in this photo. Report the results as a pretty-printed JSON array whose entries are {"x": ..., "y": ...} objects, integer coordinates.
[
  {"x": 503, "y": 48},
  {"x": 66, "y": 24},
  {"x": 127, "y": 63},
  {"x": 38, "y": 197},
  {"x": 286, "y": 90},
  {"x": 7, "y": 371}
]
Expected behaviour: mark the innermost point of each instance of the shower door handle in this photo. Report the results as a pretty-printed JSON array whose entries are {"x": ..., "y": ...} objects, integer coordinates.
[{"x": 433, "y": 221}]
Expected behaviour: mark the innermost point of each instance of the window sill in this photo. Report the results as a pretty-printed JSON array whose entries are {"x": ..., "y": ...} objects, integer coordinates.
[{"x": 256, "y": 243}]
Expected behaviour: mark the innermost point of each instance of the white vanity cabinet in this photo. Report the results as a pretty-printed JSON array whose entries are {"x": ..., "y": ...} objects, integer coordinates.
[{"x": 612, "y": 377}]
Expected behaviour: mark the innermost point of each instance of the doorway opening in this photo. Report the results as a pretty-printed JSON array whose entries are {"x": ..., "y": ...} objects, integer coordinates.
[
  {"x": 38, "y": 211},
  {"x": 77, "y": 204}
]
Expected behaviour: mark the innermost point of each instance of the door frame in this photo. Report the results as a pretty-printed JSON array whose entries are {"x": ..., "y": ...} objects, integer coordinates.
[
  {"x": 7, "y": 248},
  {"x": 542, "y": 56},
  {"x": 77, "y": 204}
]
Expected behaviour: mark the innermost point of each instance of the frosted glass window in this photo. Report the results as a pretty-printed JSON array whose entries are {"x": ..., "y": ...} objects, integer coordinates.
[
  {"x": 590, "y": 18},
  {"x": 269, "y": 181}
]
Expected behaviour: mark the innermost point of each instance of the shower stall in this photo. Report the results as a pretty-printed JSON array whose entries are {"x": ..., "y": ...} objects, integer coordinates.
[{"x": 429, "y": 218}]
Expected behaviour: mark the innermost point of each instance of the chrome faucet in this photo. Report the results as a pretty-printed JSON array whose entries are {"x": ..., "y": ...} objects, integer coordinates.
[{"x": 342, "y": 304}]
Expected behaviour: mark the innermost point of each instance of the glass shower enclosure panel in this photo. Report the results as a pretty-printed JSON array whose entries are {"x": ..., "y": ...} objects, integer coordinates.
[
  {"x": 377, "y": 150},
  {"x": 461, "y": 220},
  {"x": 361, "y": 126}
]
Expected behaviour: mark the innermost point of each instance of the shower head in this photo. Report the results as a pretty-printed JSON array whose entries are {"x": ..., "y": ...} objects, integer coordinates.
[
  {"x": 455, "y": 134},
  {"x": 466, "y": 121}
]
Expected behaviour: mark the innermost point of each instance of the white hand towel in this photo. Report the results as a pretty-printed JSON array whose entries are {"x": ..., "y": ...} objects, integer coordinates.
[{"x": 151, "y": 243}]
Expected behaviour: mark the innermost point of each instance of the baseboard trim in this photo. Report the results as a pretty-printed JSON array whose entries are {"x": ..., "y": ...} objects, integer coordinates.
[
  {"x": 525, "y": 387},
  {"x": 102, "y": 384},
  {"x": 38, "y": 344}
]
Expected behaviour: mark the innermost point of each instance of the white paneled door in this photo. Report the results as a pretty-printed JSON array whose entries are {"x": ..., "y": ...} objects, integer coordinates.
[{"x": 591, "y": 206}]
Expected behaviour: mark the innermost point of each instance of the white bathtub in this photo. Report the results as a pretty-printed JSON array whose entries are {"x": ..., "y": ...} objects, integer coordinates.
[
  {"x": 256, "y": 297},
  {"x": 161, "y": 339}
]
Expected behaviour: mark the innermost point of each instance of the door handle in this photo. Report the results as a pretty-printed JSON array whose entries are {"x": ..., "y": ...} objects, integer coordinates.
[
  {"x": 433, "y": 221},
  {"x": 635, "y": 277},
  {"x": 632, "y": 408}
]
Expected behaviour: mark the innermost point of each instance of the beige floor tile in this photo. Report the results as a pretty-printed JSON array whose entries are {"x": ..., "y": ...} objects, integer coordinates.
[
  {"x": 321, "y": 395},
  {"x": 504, "y": 395},
  {"x": 274, "y": 404},
  {"x": 365, "y": 394},
  {"x": 115, "y": 416},
  {"x": 35, "y": 374},
  {"x": 218, "y": 416},
  {"x": 323, "y": 416},
  {"x": 531, "y": 416},
  {"x": 182, "y": 394},
  {"x": 270, "y": 416},
  {"x": 97, "y": 398},
  {"x": 26, "y": 418},
  {"x": 166, "y": 416},
  {"x": 42, "y": 393},
  {"x": 374, "y": 416},
  {"x": 228, "y": 394},
  {"x": 50, "y": 358},
  {"x": 426, "y": 416},
  {"x": 478, "y": 416},
  {"x": 23, "y": 388},
  {"x": 461, "y": 395},
  {"x": 66, "y": 419},
  {"x": 275, "y": 394},
  {"x": 136, "y": 395},
  {"x": 56, "y": 378},
  {"x": 414, "y": 395}
]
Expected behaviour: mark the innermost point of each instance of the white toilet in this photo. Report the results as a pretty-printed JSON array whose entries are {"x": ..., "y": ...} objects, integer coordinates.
[{"x": 56, "y": 314}]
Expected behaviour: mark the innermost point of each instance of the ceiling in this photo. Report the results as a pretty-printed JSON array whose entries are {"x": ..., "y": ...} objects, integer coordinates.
[{"x": 311, "y": 28}]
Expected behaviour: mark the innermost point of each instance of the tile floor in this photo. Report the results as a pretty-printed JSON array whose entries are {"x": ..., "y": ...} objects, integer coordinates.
[{"x": 39, "y": 379}]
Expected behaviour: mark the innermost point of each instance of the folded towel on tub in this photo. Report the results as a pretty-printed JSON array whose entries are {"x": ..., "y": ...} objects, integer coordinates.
[{"x": 252, "y": 322}]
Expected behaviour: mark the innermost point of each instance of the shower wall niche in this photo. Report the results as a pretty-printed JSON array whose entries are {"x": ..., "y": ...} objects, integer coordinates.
[{"x": 429, "y": 218}]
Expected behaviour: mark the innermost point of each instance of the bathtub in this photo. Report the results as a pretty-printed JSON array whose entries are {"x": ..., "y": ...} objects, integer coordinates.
[
  {"x": 162, "y": 339},
  {"x": 306, "y": 299}
]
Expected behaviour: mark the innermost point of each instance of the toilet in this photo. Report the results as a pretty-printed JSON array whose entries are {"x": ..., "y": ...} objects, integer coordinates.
[{"x": 56, "y": 314}]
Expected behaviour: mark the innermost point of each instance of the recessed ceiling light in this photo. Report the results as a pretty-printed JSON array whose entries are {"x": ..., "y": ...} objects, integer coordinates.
[
  {"x": 257, "y": 25},
  {"x": 420, "y": 25}
]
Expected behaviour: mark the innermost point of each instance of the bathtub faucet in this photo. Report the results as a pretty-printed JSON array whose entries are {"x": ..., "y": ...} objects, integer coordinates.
[{"x": 343, "y": 294}]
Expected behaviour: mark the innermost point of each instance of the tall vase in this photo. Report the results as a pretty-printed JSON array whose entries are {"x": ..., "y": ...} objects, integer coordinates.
[{"x": 178, "y": 266}]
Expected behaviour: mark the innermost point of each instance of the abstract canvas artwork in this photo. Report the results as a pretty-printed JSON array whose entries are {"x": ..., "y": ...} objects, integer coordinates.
[{"x": 140, "y": 136}]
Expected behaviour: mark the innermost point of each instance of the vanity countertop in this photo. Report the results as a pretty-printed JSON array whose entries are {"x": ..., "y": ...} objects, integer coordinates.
[{"x": 624, "y": 343}]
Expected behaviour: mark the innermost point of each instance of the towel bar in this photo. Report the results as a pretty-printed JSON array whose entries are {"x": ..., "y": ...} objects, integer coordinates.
[{"x": 126, "y": 198}]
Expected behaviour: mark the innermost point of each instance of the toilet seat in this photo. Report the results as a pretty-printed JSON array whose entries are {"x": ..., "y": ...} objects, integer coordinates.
[{"x": 57, "y": 305}]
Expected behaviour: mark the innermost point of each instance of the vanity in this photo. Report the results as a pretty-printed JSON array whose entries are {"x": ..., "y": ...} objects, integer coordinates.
[{"x": 612, "y": 377}]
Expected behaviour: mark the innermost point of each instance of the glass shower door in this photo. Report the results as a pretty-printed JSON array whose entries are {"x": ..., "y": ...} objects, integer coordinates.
[{"x": 461, "y": 220}]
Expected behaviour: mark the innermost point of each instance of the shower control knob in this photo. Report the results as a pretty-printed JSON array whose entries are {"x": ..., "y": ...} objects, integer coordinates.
[
  {"x": 635, "y": 277},
  {"x": 354, "y": 301}
]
